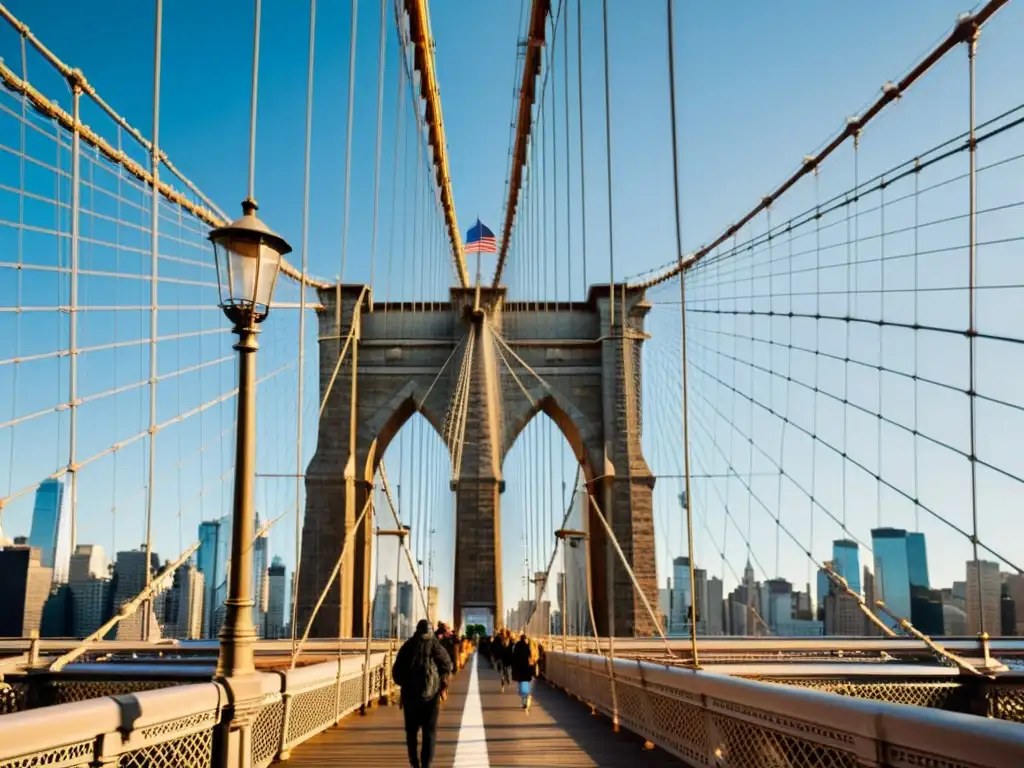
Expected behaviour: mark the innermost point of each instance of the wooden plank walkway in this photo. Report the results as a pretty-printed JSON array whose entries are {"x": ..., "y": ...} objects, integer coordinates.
[{"x": 559, "y": 731}]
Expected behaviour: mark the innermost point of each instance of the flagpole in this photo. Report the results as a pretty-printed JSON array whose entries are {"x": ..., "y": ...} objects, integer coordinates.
[{"x": 476, "y": 301}]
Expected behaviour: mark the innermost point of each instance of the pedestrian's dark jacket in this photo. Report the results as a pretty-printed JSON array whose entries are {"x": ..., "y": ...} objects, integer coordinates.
[
  {"x": 498, "y": 648},
  {"x": 406, "y": 673},
  {"x": 507, "y": 649},
  {"x": 522, "y": 670}
]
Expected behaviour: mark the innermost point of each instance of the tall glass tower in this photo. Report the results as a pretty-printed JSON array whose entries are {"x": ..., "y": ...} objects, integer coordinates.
[
  {"x": 892, "y": 571},
  {"x": 212, "y": 561},
  {"x": 846, "y": 562},
  {"x": 917, "y": 560},
  {"x": 51, "y": 527}
]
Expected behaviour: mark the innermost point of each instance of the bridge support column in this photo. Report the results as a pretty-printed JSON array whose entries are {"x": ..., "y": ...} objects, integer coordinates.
[
  {"x": 625, "y": 489},
  {"x": 478, "y": 547},
  {"x": 478, "y": 484},
  {"x": 336, "y": 488}
]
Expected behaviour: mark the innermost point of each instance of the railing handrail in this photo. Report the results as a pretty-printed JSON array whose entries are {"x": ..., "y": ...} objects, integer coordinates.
[
  {"x": 957, "y": 736},
  {"x": 35, "y": 730}
]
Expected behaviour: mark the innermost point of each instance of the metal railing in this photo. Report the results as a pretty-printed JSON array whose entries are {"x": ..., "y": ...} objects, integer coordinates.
[
  {"x": 714, "y": 720},
  {"x": 178, "y": 726}
]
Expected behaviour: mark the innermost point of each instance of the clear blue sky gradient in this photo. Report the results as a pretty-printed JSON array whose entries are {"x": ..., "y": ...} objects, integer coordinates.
[{"x": 758, "y": 85}]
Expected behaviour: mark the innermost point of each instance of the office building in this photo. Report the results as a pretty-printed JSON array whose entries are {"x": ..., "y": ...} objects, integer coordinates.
[
  {"x": 1007, "y": 613},
  {"x": 51, "y": 527},
  {"x": 954, "y": 620},
  {"x": 576, "y": 587},
  {"x": 868, "y": 580},
  {"x": 1015, "y": 589},
  {"x": 777, "y": 597},
  {"x": 212, "y": 561},
  {"x": 714, "y": 621},
  {"x": 843, "y": 616},
  {"x": 687, "y": 605},
  {"x": 846, "y": 562},
  {"x": 89, "y": 584},
  {"x": 892, "y": 573},
  {"x": 405, "y": 621},
  {"x": 90, "y": 605},
  {"x": 823, "y": 588},
  {"x": 183, "y": 610},
  {"x": 26, "y": 584},
  {"x": 276, "y": 600},
  {"x": 129, "y": 580},
  {"x": 983, "y": 596},
  {"x": 433, "y": 596},
  {"x": 917, "y": 560},
  {"x": 383, "y": 609}
]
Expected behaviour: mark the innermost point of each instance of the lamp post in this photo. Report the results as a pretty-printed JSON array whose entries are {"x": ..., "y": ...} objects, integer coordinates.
[{"x": 248, "y": 257}]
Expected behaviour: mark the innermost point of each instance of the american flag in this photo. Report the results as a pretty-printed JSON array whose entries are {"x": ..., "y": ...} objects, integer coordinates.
[{"x": 479, "y": 239}]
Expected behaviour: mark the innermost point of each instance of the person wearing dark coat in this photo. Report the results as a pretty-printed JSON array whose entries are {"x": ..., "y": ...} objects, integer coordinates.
[
  {"x": 506, "y": 661},
  {"x": 422, "y": 690},
  {"x": 524, "y": 669}
]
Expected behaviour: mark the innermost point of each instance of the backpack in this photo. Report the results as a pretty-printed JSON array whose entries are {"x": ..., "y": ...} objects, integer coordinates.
[{"x": 423, "y": 677}]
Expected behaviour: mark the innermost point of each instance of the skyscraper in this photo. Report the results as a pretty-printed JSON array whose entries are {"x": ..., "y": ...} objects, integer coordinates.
[
  {"x": 129, "y": 580},
  {"x": 846, "y": 562},
  {"x": 687, "y": 603},
  {"x": 212, "y": 561},
  {"x": 51, "y": 527},
  {"x": 892, "y": 572},
  {"x": 714, "y": 621},
  {"x": 260, "y": 586},
  {"x": 383, "y": 609},
  {"x": 89, "y": 582},
  {"x": 917, "y": 560},
  {"x": 88, "y": 562},
  {"x": 404, "y": 621},
  {"x": 183, "y": 615},
  {"x": 26, "y": 584},
  {"x": 432, "y": 604},
  {"x": 990, "y": 595},
  {"x": 276, "y": 599}
]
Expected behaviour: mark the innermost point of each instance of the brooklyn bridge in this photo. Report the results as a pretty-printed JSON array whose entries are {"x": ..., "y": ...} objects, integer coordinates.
[{"x": 726, "y": 420}]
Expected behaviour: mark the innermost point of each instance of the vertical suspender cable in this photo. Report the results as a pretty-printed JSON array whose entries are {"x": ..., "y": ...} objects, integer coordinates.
[
  {"x": 76, "y": 197},
  {"x": 302, "y": 319},
  {"x": 682, "y": 321},
  {"x": 583, "y": 178},
  {"x": 252, "y": 101},
  {"x": 154, "y": 244},
  {"x": 348, "y": 133},
  {"x": 568, "y": 177},
  {"x": 380, "y": 123},
  {"x": 608, "y": 515},
  {"x": 972, "y": 330}
]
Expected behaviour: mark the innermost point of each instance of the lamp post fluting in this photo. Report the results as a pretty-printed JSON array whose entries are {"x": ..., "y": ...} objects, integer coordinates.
[{"x": 248, "y": 258}]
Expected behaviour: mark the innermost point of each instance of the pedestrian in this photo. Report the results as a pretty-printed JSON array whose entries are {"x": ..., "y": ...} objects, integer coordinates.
[
  {"x": 422, "y": 670},
  {"x": 524, "y": 669},
  {"x": 506, "y": 660},
  {"x": 498, "y": 655},
  {"x": 449, "y": 642}
]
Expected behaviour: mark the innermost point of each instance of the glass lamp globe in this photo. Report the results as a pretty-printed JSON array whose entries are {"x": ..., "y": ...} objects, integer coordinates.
[{"x": 248, "y": 258}]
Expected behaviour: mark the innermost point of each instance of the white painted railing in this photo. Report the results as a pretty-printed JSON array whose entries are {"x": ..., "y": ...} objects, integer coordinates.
[
  {"x": 718, "y": 721},
  {"x": 178, "y": 726}
]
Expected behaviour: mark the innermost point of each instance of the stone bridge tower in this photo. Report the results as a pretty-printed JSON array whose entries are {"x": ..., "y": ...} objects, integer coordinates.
[{"x": 574, "y": 361}]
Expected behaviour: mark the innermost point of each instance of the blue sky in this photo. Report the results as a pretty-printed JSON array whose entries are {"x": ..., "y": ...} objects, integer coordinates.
[{"x": 759, "y": 87}]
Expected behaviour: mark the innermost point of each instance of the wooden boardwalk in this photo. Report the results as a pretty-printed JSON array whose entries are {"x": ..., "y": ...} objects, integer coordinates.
[{"x": 559, "y": 731}]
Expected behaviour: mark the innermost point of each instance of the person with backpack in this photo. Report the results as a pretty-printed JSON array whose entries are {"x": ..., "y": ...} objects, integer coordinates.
[
  {"x": 524, "y": 668},
  {"x": 422, "y": 670}
]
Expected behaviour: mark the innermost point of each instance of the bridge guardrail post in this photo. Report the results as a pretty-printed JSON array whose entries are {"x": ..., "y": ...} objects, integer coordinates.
[{"x": 286, "y": 698}]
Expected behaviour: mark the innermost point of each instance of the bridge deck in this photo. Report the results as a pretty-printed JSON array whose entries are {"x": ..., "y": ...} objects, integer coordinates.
[{"x": 479, "y": 726}]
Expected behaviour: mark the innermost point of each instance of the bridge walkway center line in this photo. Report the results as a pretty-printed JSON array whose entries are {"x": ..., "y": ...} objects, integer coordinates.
[{"x": 559, "y": 732}]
